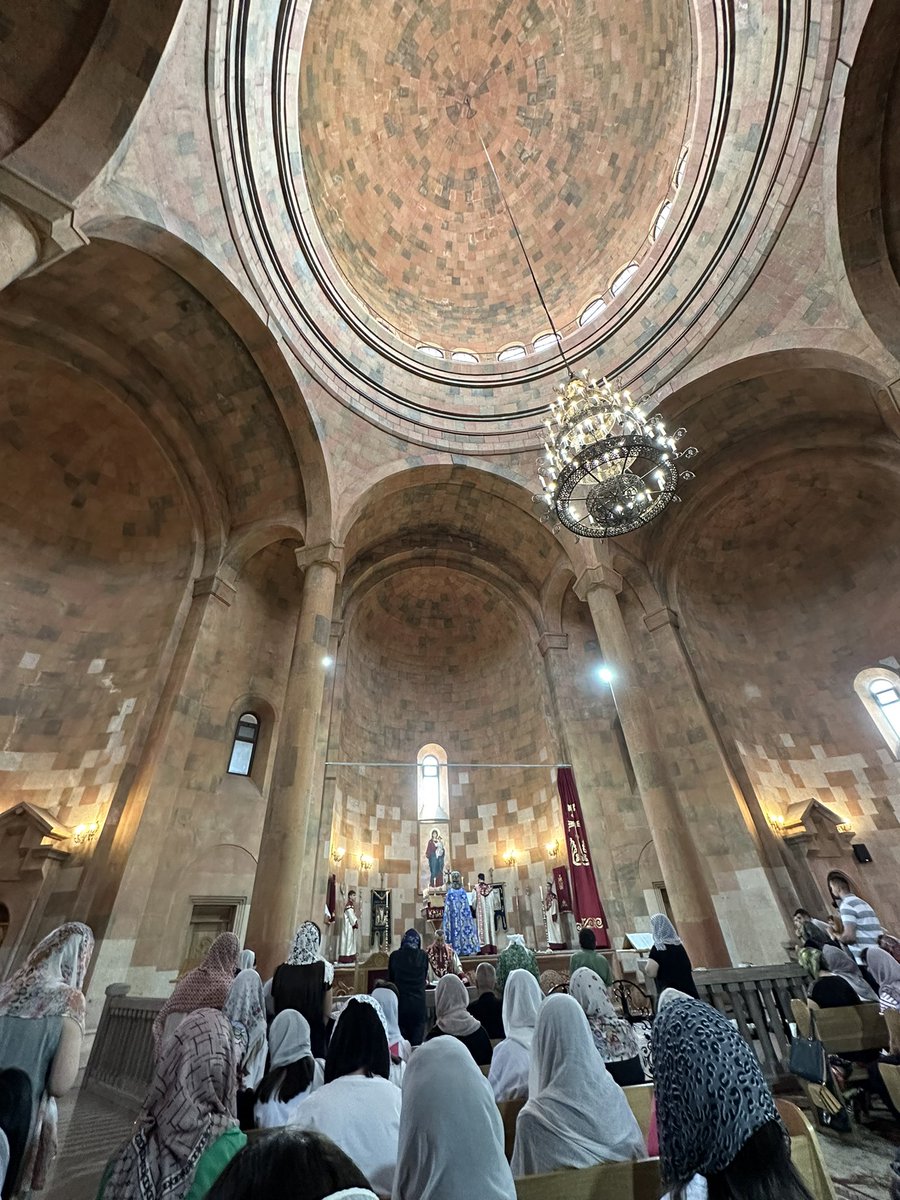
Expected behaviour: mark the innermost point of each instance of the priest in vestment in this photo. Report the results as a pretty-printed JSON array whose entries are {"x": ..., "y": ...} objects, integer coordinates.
[
  {"x": 459, "y": 924},
  {"x": 348, "y": 942},
  {"x": 483, "y": 900},
  {"x": 555, "y": 939},
  {"x": 443, "y": 960}
]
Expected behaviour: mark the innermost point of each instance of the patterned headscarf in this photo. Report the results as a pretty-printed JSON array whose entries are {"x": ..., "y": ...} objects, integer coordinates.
[
  {"x": 370, "y": 1000},
  {"x": 613, "y": 1035},
  {"x": 305, "y": 950},
  {"x": 49, "y": 982},
  {"x": 191, "y": 1103},
  {"x": 711, "y": 1096},
  {"x": 207, "y": 986},
  {"x": 411, "y": 938},
  {"x": 245, "y": 1008},
  {"x": 663, "y": 932}
]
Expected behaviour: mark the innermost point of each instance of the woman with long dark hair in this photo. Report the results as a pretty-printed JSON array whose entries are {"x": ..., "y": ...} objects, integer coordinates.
[
  {"x": 293, "y": 1072},
  {"x": 719, "y": 1131},
  {"x": 304, "y": 982}
]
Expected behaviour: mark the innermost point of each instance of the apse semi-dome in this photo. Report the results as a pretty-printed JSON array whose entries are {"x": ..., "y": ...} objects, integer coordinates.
[{"x": 583, "y": 108}]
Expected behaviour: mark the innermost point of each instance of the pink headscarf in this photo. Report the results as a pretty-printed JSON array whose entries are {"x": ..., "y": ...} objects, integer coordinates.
[{"x": 207, "y": 986}]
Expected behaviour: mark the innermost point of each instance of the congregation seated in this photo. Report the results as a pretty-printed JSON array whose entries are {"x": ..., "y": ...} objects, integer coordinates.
[
  {"x": 206, "y": 986},
  {"x": 408, "y": 970},
  {"x": 453, "y": 1019},
  {"x": 522, "y": 999},
  {"x": 515, "y": 957},
  {"x": 589, "y": 956},
  {"x": 613, "y": 1035},
  {"x": 187, "y": 1132},
  {"x": 304, "y": 982},
  {"x": 293, "y": 1072},
  {"x": 576, "y": 1114},
  {"x": 840, "y": 982},
  {"x": 718, "y": 1127},
  {"x": 486, "y": 1007},
  {"x": 450, "y": 1129},
  {"x": 387, "y": 996},
  {"x": 358, "y": 1107},
  {"x": 292, "y": 1162}
]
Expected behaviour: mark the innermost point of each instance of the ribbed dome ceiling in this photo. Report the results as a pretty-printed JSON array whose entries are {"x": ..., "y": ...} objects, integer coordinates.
[{"x": 583, "y": 106}]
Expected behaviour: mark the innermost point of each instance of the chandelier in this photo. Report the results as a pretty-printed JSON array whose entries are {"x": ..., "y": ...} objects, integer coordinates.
[{"x": 608, "y": 467}]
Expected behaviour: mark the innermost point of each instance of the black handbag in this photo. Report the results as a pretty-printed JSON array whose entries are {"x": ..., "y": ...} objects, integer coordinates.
[{"x": 809, "y": 1062}]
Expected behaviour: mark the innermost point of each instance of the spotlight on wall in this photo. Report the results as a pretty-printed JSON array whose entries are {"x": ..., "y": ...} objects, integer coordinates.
[
  {"x": 552, "y": 848},
  {"x": 605, "y": 674},
  {"x": 776, "y": 820},
  {"x": 510, "y": 858},
  {"x": 366, "y": 862},
  {"x": 338, "y": 854},
  {"x": 327, "y": 661},
  {"x": 84, "y": 833}
]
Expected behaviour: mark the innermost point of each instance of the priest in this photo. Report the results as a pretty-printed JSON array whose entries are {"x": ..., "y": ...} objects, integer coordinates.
[
  {"x": 459, "y": 924},
  {"x": 483, "y": 900},
  {"x": 348, "y": 941}
]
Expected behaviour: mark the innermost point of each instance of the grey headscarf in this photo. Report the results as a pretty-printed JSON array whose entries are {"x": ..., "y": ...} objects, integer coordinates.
[
  {"x": 711, "y": 1096},
  {"x": 840, "y": 963},
  {"x": 289, "y": 1039}
]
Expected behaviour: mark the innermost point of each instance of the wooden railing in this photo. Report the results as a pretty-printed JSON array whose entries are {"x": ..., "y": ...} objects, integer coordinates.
[
  {"x": 122, "y": 1056},
  {"x": 758, "y": 999}
]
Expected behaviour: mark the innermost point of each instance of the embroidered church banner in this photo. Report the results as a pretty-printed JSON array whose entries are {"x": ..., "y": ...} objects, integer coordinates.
[
  {"x": 586, "y": 904},
  {"x": 562, "y": 889}
]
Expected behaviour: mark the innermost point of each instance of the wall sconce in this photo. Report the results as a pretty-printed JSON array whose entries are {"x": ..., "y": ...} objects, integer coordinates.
[
  {"x": 776, "y": 820},
  {"x": 552, "y": 848},
  {"x": 338, "y": 854},
  {"x": 366, "y": 862},
  {"x": 84, "y": 833},
  {"x": 510, "y": 858}
]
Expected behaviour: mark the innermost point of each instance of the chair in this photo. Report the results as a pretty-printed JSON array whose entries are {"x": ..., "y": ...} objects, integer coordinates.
[
  {"x": 634, "y": 1002},
  {"x": 509, "y": 1111},
  {"x": 849, "y": 1030},
  {"x": 806, "y": 1153},
  {"x": 802, "y": 1018},
  {"x": 608, "y": 1181},
  {"x": 640, "y": 1100},
  {"x": 553, "y": 981}
]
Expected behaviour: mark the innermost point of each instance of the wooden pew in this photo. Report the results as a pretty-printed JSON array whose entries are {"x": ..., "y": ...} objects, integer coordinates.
[
  {"x": 608, "y": 1181},
  {"x": 640, "y": 1098},
  {"x": 806, "y": 1153}
]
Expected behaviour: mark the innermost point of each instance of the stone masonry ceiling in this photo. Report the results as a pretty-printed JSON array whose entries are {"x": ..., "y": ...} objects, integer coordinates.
[{"x": 583, "y": 106}]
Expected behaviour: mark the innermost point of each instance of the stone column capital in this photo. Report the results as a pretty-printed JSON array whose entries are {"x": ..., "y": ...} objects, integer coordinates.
[
  {"x": 552, "y": 641},
  {"x": 593, "y": 578},
  {"x": 51, "y": 220},
  {"x": 327, "y": 555},
  {"x": 217, "y": 587},
  {"x": 662, "y": 616}
]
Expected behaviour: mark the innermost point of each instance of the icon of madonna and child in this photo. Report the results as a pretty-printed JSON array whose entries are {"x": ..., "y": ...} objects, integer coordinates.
[{"x": 436, "y": 856}]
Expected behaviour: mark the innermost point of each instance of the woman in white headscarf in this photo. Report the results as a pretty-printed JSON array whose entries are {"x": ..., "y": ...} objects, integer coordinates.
[
  {"x": 245, "y": 1008},
  {"x": 668, "y": 963},
  {"x": 522, "y": 999},
  {"x": 576, "y": 1114},
  {"x": 293, "y": 1072},
  {"x": 42, "y": 1012},
  {"x": 247, "y": 960},
  {"x": 390, "y": 1006},
  {"x": 613, "y": 1036},
  {"x": 451, "y": 1001},
  {"x": 450, "y": 1128}
]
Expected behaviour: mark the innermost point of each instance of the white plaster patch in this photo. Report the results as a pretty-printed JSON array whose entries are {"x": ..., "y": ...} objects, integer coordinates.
[
  {"x": 787, "y": 740},
  {"x": 751, "y": 691},
  {"x": 10, "y": 760},
  {"x": 96, "y": 666},
  {"x": 29, "y": 661}
]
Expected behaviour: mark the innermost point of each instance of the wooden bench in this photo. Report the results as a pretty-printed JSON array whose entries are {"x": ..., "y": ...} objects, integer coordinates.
[
  {"x": 842, "y": 1030},
  {"x": 640, "y": 1098},
  {"x": 806, "y": 1153},
  {"x": 607, "y": 1181}
]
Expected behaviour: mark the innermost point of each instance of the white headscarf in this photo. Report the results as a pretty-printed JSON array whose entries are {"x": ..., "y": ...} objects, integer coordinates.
[
  {"x": 245, "y": 1008},
  {"x": 448, "y": 1120},
  {"x": 576, "y": 1114},
  {"x": 306, "y": 949},
  {"x": 663, "y": 932},
  {"x": 390, "y": 1006},
  {"x": 522, "y": 998},
  {"x": 516, "y": 939},
  {"x": 450, "y": 1007},
  {"x": 289, "y": 1039},
  {"x": 247, "y": 960}
]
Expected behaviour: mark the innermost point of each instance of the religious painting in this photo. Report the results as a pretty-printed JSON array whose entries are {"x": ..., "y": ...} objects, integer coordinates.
[{"x": 434, "y": 853}]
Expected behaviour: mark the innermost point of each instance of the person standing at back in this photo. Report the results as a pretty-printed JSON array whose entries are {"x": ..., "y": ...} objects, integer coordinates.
[
  {"x": 861, "y": 926},
  {"x": 668, "y": 963},
  {"x": 589, "y": 956}
]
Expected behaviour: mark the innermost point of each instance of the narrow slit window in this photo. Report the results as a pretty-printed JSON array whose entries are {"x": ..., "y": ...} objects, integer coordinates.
[{"x": 244, "y": 745}]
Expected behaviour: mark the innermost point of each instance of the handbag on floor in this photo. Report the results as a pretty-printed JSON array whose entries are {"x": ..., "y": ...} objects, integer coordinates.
[{"x": 809, "y": 1062}]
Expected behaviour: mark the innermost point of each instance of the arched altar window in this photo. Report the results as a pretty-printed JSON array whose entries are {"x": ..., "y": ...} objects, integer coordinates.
[
  {"x": 879, "y": 690},
  {"x": 432, "y": 790},
  {"x": 243, "y": 747}
]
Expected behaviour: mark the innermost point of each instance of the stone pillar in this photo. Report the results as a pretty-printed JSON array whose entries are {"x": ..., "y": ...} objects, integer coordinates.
[
  {"x": 324, "y": 783},
  {"x": 19, "y": 245},
  {"x": 679, "y": 859},
  {"x": 283, "y": 858}
]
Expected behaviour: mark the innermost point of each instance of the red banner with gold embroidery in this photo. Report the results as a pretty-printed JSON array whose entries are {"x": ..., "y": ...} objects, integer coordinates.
[{"x": 586, "y": 902}]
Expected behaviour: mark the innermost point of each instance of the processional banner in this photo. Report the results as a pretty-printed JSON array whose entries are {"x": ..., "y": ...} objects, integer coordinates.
[
  {"x": 586, "y": 903},
  {"x": 562, "y": 889}
]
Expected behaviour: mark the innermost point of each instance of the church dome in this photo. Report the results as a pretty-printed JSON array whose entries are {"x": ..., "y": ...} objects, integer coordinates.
[{"x": 583, "y": 107}]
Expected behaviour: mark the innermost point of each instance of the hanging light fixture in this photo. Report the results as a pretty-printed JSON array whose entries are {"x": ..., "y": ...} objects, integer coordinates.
[{"x": 609, "y": 465}]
